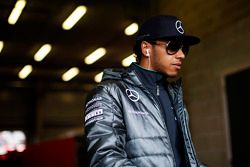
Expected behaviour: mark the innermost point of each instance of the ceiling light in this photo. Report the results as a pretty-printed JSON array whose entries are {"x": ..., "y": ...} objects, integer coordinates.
[
  {"x": 71, "y": 73},
  {"x": 74, "y": 17},
  {"x": 94, "y": 56},
  {"x": 26, "y": 70},
  {"x": 128, "y": 60},
  {"x": 131, "y": 29},
  {"x": 42, "y": 52},
  {"x": 98, "y": 77},
  {"x": 16, "y": 12},
  {"x": 1, "y": 45}
]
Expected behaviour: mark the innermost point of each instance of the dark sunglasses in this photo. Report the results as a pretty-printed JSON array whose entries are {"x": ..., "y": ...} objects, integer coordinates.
[{"x": 173, "y": 46}]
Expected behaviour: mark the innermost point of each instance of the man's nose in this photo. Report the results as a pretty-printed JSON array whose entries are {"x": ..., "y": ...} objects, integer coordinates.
[{"x": 180, "y": 54}]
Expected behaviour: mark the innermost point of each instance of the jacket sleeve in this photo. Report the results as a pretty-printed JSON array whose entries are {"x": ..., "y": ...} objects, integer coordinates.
[{"x": 105, "y": 131}]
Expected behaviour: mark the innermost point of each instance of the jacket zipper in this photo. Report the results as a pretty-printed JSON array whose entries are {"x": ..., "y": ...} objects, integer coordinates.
[{"x": 157, "y": 90}]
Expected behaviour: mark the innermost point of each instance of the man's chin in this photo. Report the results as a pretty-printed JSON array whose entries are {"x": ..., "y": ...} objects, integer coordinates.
[{"x": 172, "y": 75}]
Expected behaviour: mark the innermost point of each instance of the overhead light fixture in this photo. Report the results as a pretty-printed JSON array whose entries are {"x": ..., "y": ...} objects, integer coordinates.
[
  {"x": 98, "y": 77},
  {"x": 25, "y": 71},
  {"x": 74, "y": 17},
  {"x": 16, "y": 12},
  {"x": 94, "y": 56},
  {"x": 1, "y": 45},
  {"x": 128, "y": 60},
  {"x": 42, "y": 52},
  {"x": 131, "y": 29},
  {"x": 13, "y": 141},
  {"x": 71, "y": 73}
]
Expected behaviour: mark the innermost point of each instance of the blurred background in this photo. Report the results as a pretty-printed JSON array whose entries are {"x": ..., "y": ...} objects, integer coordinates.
[{"x": 46, "y": 73}]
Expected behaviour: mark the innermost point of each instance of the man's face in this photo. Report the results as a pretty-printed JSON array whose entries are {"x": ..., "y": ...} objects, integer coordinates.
[{"x": 165, "y": 61}]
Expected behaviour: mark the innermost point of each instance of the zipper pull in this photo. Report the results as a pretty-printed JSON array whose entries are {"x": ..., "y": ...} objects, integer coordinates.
[{"x": 157, "y": 90}]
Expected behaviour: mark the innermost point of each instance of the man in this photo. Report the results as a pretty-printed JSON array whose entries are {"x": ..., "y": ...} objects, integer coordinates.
[{"x": 135, "y": 117}]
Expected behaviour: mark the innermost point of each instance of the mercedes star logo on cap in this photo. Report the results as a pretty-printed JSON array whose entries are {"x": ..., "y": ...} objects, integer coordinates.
[{"x": 178, "y": 26}]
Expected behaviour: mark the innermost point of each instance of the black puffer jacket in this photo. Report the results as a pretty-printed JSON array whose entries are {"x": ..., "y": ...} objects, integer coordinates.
[{"x": 124, "y": 126}]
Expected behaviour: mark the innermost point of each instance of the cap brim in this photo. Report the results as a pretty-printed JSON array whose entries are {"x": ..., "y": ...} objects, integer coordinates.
[
  {"x": 188, "y": 39},
  {"x": 191, "y": 40}
]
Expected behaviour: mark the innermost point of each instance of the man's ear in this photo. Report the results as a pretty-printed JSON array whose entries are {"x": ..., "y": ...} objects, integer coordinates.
[{"x": 145, "y": 48}]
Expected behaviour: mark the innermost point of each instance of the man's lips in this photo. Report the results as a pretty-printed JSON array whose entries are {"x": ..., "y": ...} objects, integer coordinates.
[{"x": 177, "y": 65}]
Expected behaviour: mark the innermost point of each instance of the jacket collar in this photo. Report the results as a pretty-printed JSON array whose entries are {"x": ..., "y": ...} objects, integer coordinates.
[
  {"x": 149, "y": 78},
  {"x": 128, "y": 75}
]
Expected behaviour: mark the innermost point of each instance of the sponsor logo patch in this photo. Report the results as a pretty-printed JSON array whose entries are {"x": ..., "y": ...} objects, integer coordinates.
[
  {"x": 132, "y": 95},
  {"x": 93, "y": 100},
  {"x": 137, "y": 112},
  {"x": 93, "y": 114}
]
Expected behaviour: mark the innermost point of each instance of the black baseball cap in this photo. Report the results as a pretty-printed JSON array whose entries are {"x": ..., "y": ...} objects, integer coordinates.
[{"x": 164, "y": 27}]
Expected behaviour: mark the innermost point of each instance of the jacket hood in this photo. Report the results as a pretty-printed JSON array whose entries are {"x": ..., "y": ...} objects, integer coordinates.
[{"x": 125, "y": 74}]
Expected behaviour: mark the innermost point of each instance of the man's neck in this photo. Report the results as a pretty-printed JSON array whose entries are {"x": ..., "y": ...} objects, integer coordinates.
[{"x": 149, "y": 78}]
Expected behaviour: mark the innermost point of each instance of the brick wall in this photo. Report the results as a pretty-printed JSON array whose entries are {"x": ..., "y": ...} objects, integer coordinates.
[{"x": 224, "y": 52}]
